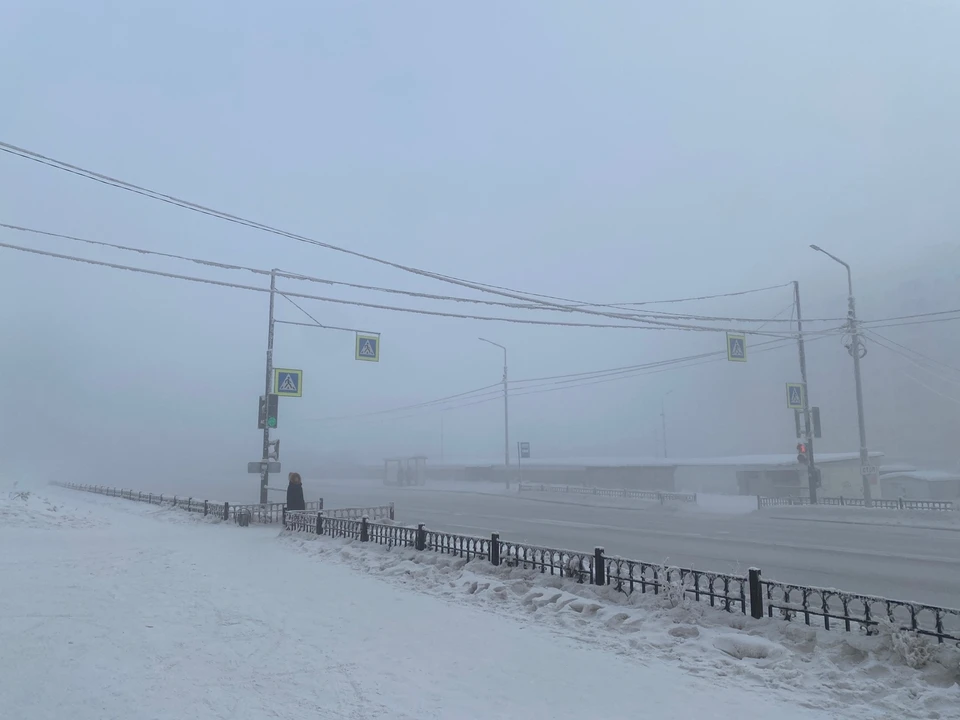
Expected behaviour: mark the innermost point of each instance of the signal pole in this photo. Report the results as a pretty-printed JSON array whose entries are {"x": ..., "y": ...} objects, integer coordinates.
[
  {"x": 268, "y": 388},
  {"x": 812, "y": 472}
]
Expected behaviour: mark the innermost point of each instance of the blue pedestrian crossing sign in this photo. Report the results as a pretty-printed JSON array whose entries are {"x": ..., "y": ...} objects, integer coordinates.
[
  {"x": 368, "y": 347},
  {"x": 795, "y": 396},
  {"x": 736, "y": 348},
  {"x": 287, "y": 383}
]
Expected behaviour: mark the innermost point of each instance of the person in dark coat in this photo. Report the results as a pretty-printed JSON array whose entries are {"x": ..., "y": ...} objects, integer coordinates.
[{"x": 295, "y": 493}]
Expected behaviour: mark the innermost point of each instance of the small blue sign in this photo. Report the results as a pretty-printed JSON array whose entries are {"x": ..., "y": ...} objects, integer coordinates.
[
  {"x": 368, "y": 347},
  {"x": 795, "y": 396},
  {"x": 288, "y": 383},
  {"x": 736, "y": 348}
]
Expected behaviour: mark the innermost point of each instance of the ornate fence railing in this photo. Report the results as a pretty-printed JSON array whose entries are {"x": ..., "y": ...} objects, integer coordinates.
[
  {"x": 749, "y": 594},
  {"x": 660, "y": 497},
  {"x": 266, "y": 513},
  {"x": 879, "y": 503}
]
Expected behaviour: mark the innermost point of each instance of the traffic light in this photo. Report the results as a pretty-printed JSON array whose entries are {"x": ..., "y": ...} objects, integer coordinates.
[
  {"x": 802, "y": 453},
  {"x": 269, "y": 410}
]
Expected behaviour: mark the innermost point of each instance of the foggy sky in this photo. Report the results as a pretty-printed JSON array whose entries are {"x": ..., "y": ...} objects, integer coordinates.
[{"x": 609, "y": 152}]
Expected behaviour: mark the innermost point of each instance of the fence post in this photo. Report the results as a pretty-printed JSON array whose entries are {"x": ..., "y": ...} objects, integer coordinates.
[
  {"x": 421, "y": 537},
  {"x": 320, "y": 523},
  {"x": 283, "y": 517},
  {"x": 391, "y": 512},
  {"x": 900, "y": 502},
  {"x": 321, "y": 503},
  {"x": 226, "y": 511},
  {"x": 205, "y": 508},
  {"x": 599, "y": 567},
  {"x": 756, "y": 594},
  {"x": 759, "y": 506},
  {"x": 660, "y": 497},
  {"x": 495, "y": 549},
  {"x": 841, "y": 501},
  {"x": 364, "y": 530}
]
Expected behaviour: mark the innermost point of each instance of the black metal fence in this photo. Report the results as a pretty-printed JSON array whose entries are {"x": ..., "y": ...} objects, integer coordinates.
[
  {"x": 266, "y": 513},
  {"x": 879, "y": 503},
  {"x": 660, "y": 497},
  {"x": 748, "y": 594}
]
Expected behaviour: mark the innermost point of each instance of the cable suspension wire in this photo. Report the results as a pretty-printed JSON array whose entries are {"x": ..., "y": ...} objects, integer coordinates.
[
  {"x": 912, "y": 350},
  {"x": 195, "y": 207},
  {"x": 392, "y": 308},
  {"x": 494, "y": 395},
  {"x": 911, "y": 360},
  {"x": 374, "y": 288}
]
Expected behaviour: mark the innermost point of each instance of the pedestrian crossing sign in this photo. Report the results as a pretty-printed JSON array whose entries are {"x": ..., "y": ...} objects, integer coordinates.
[
  {"x": 368, "y": 347},
  {"x": 736, "y": 348},
  {"x": 795, "y": 396},
  {"x": 287, "y": 383}
]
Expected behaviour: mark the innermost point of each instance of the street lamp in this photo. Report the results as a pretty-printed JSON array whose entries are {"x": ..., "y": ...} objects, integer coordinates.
[
  {"x": 855, "y": 352},
  {"x": 663, "y": 420},
  {"x": 506, "y": 414}
]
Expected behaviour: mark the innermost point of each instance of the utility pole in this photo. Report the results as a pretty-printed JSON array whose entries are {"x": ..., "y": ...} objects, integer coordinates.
[
  {"x": 268, "y": 388},
  {"x": 812, "y": 473},
  {"x": 854, "y": 350},
  {"x": 506, "y": 413}
]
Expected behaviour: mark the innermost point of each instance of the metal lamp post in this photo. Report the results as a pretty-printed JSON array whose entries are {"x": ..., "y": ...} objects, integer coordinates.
[
  {"x": 855, "y": 351},
  {"x": 506, "y": 413}
]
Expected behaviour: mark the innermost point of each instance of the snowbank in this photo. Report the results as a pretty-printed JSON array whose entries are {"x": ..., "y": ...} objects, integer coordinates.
[{"x": 849, "y": 673}]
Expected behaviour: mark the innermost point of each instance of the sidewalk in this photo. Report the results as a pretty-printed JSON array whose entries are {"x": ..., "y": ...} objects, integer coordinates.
[{"x": 116, "y": 610}]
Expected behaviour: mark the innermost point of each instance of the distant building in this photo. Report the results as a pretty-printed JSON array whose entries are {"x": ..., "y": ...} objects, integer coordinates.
[
  {"x": 921, "y": 485},
  {"x": 767, "y": 475}
]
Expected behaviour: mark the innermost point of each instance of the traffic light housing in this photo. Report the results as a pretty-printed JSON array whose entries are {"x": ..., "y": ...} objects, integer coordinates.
[
  {"x": 269, "y": 411},
  {"x": 802, "y": 453}
]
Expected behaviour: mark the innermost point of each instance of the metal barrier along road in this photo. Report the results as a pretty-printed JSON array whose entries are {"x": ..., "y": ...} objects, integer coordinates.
[
  {"x": 749, "y": 594},
  {"x": 659, "y": 497},
  {"x": 880, "y": 503}
]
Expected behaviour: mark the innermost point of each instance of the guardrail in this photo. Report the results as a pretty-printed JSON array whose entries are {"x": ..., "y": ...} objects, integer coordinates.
[
  {"x": 749, "y": 594},
  {"x": 660, "y": 497},
  {"x": 879, "y": 503}
]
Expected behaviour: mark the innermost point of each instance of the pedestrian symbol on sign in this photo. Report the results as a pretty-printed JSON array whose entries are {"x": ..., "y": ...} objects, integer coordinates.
[
  {"x": 795, "y": 396},
  {"x": 368, "y": 348},
  {"x": 288, "y": 384},
  {"x": 736, "y": 348}
]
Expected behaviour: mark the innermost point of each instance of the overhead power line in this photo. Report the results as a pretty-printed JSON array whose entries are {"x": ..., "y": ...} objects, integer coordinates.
[
  {"x": 409, "y": 293},
  {"x": 913, "y": 351},
  {"x": 571, "y": 304},
  {"x": 358, "y": 303},
  {"x": 576, "y": 380}
]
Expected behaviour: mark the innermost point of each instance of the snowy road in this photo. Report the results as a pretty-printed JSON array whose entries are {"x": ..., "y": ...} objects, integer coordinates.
[
  {"x": 919, "y": 562},
  {"x": 113, "y": 610}
]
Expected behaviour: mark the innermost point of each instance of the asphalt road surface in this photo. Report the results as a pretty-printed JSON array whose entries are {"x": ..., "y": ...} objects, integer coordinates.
[{"x": 919, "y": 561}]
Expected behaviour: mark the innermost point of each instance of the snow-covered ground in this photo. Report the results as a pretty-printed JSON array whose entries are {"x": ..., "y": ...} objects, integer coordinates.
[{"x": 112, "y": 609}]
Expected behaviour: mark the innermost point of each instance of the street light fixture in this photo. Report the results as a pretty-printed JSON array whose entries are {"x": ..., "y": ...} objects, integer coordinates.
[
  {"x": 506, "y": 413},
  {"x": 855, "y": 352}
]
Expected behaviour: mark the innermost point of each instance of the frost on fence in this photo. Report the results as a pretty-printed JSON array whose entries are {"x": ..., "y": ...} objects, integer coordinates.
[
  {"x": 565, "y": 563},
  {"x": 728, "y": 592},
  {"x": 835, "y": 609}
]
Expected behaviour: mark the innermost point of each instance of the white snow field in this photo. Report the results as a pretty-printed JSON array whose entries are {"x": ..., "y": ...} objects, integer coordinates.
[{"x": 114, "y": 609}]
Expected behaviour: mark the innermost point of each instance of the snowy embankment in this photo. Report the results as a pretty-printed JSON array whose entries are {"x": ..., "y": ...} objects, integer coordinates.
[{"x": 113, "y": 609}]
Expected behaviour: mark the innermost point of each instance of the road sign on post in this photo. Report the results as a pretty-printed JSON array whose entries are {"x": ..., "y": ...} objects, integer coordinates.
[
  {"x": 795, "y": 396},
  {"x": 736, "y": 348},
  {"x": 258, "y": 466},
  {"x": 525, "y": 450},
  {"x": 368, "y": 347},
  {"x": 288, "y": 383},
  {"x": 269, "y": 411}
]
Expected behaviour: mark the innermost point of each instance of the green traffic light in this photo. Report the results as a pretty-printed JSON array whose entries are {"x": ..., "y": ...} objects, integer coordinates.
[{"x": 271, "y": 422}]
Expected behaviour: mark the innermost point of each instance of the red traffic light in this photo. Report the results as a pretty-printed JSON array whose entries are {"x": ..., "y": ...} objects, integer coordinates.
[{"x": 802, "y": 448}]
